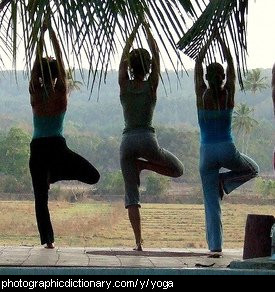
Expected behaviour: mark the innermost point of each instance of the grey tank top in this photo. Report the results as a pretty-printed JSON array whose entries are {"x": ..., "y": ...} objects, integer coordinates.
[{"x": 138, "y": 106}]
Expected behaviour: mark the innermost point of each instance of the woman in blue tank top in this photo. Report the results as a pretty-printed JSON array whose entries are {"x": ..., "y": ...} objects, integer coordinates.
[
  {"x": 215, "y": 105},
  {"x": 139, "y": 147},
  {"x": 50, "y": 158}
]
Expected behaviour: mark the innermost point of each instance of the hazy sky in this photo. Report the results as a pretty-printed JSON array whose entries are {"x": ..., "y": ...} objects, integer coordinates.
[
  {"x": 261, "y": 33},
  {"x": 261, "y": 37}
]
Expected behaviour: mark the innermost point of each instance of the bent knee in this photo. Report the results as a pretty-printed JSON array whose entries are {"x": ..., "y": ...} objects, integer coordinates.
[
  {"x": 255, "y": 171},
  {"x": 93, "y": 179},
  {"x": 96, "y": 178},
  {"x": 178, "y": 171}
]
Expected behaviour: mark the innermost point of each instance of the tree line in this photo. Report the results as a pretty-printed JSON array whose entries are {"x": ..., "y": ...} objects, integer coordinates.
[
  {"x": 93, "y": 128},
  {"x": 103, "y": 152}
]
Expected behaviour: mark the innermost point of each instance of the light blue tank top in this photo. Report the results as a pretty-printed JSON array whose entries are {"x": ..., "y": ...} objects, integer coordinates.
[
  {"x": 48, "y": 126},
  {"x": 215, "y": 125}
]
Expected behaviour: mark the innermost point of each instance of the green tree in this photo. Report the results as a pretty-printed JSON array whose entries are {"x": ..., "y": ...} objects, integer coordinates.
[
  {"x": 111, "y": 183},
  {"x": 262, "y": 140},
  {"x": 184, "y": 144},
  {"x": 243, "y": 123},
  {"x": 14, "y": 160},
  {"x": 254, "y": 81},
  {"x": 107, "y": 154},
  {"x": 72, "y": 84},
  {"x": 265, "y": 187},
  {"x": 14, "y": 153},
  {"x": 156, "y": 185}
]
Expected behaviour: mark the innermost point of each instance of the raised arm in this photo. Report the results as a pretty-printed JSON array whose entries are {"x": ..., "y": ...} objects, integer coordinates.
[
  {"x": 61, "y": 79},
  {"x": 200, "y": 85},
  {"x": 36, "y": 69},
  {"x": 230, "y": 71},
  {"x": 124, "y": 62},
  {"x": 155, "y": 70},
  {"x": 273, "y": 88}
]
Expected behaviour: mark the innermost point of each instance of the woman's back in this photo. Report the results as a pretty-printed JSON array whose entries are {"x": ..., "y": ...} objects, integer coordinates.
[
  {"x": 48, "y": 91},
  {"x": 215, "y": 116},
  {"x": 46, "y": 102},
  {"x": 49, "y": 108},
  {"x": 215, "y": 125},
  {"x": 138, "y": 105},
  {"x": 216, "y": 100}
]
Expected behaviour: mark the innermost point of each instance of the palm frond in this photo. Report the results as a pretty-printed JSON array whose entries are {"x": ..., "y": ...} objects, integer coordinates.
[
  {"x": 4, "y": 3},
  {"x": 92, "y": 32},
  {"x": 226, "y": 18},
  {"x": 254, "y": 81}
]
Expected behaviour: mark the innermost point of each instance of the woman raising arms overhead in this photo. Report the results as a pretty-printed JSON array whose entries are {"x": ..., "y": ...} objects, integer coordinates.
[
  {"x": 139, "y": 147},
  {"x": 215, "y": 104},
  {"x": 50, "y": 159}
]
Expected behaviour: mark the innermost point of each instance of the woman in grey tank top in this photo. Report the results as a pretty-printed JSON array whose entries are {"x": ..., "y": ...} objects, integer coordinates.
[{"x": 139, "y": 147}]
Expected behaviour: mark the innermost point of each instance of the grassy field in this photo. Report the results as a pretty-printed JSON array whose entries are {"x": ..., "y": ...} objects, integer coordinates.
[{"x": 105, "y": 224}]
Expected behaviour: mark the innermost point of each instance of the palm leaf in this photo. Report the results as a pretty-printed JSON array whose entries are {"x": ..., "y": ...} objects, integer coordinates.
[
  {"x": 254, "y": 81},
  {"x": 92, "y": 32},
  {"x": 226, "y": 18}
]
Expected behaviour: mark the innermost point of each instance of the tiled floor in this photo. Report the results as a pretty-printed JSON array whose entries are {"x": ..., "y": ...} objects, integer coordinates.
[
  {"x": 24, "y": 260},
  {"x": 114, "y": 257}
]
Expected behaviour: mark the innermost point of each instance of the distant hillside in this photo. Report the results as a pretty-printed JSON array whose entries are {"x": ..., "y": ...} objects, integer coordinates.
[
  {"x": 93, "y": 126},
  {"x": 101, "y": 112}
]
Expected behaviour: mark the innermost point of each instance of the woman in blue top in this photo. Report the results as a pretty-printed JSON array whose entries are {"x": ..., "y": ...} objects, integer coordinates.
[
  {"x": 139, "y": 147},
  {"x": 50, "y": 159},
  {"x": 215, "y": 105}
]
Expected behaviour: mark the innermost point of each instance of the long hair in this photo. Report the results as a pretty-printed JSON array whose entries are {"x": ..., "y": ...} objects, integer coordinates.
[{"x": 139, "y": 62}]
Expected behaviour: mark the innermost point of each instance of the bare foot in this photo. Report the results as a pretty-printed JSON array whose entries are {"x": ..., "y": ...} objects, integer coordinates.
[
  {"x": 138, "y": 247},
  {"x": 49, "y": 245},
  {"x": 215, "y": 254}
]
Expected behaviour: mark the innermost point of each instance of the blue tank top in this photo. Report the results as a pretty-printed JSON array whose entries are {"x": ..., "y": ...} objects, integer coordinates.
[
  {"x": 48, "y": 126},
  {"x": 215, "y": 125}
]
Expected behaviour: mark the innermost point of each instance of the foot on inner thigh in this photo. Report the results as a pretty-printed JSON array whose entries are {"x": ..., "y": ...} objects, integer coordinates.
[{"x": 221, "y": 190}]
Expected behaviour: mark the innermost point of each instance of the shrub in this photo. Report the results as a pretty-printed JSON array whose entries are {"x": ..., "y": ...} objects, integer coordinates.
[
  {"x": 59, "y": 194},
  {"x": 111, "y": 183},
  {"x": 10, "y": 184},
  {"x": 265, "y": 187},
  {"x": 156, "y": 185}
]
